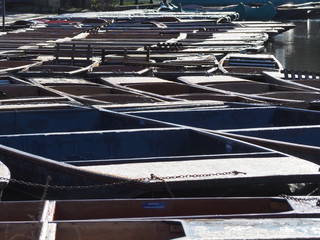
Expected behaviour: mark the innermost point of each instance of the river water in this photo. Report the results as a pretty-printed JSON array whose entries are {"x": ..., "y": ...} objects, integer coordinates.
[{"x": 298, "y": 48}]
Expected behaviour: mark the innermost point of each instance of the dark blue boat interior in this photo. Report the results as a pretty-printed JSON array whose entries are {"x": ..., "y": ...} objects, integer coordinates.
[
  {"x": 236, "y": 118},
  {"x": 67, "y": 120},
  {"x": 128, "y": 144},
  {"x": 302, "y": 135}
]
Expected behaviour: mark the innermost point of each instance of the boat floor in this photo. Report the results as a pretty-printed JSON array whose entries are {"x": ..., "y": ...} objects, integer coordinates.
[{"x": 265, "y": 167}]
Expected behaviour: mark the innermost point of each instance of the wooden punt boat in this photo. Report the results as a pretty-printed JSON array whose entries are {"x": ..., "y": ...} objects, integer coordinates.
[
  {"x": 169, "y": 90},
  {"x": 169, "y": 73},
  {"x": 303, "y": 80},
  {"x": 223, "y": 229},
  {"x": 146, "y": 60},
  {"x": 189, "y": 60},
  {"x": 301, "y": 141},
  {"x": 90, "y": 93},
  {"x": 224, "y": 118},
  {"x": 160, "y": 218},
  {"x": 34, "y": 38},
  {"x": 147, "y": 162},
  {"x": 249, "y": 65},
  {"x": 207, "y": 46},
  {"x": 27, "y": 90},
  {"x": 158, "y": 209},
  {"x": 86, "y": 165},
  {"x": 148, "y": 33},
  {"x": 18, "y": 94},
  {"x": 269, "y": 27},
  {"x": 159, "y": 230},
  {"x": 214, "y": 32},
  {"x": 98, "y": 230},
  {"x": 111, "y": 54},
  {"x": 138, "y": 14},
  {"x": 235, "y": 84},
  {"x": 115, "y": 39},
  {"x": 266, "y": 26},
  {"x": 121, "y": 99},
  {"x": 280, "y": 26},
  {"x": 290, "y": 96},
  {"x": 153, "y": 86},
  {"x": 189, "y": 65},
  {"x": 237, "y": 35}
]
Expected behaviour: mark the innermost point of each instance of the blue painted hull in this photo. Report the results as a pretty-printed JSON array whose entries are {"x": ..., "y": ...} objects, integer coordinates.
[
  {"x": 77, "y": 158},
  {"x": 34, "y": 157}
]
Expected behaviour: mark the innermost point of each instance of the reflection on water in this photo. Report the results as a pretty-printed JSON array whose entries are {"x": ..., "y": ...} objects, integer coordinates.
[{"x": 298, "y": 48}]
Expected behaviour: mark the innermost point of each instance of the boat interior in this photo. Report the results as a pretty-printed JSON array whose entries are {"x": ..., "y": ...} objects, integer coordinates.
[
  {"x": 234, "y": 118},
  {"x": 164, "y": 208},
  {"x": 130, "y": 145},
  {"x": 70, "y": 120}
]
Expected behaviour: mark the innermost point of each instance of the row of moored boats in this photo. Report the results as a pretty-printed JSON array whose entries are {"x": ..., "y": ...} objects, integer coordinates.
[{"x": 155, "y": 125}]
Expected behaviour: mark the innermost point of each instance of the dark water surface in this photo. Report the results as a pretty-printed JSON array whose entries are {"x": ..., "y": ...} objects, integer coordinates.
[{"x": 298, "y": 48}]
